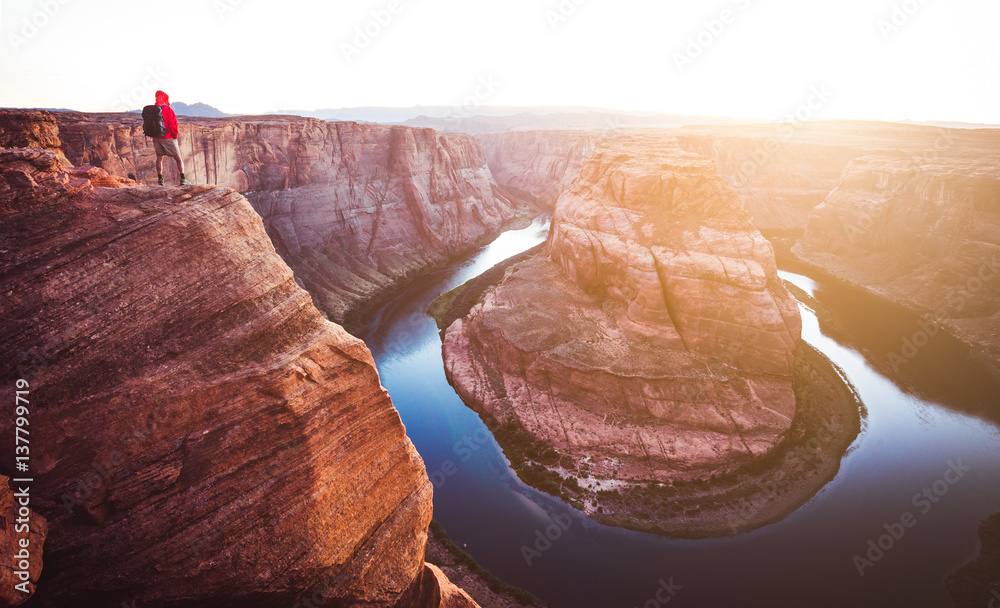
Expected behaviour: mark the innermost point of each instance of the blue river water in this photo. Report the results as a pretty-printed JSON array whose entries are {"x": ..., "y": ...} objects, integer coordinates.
[{"x": 931, "y": 424}]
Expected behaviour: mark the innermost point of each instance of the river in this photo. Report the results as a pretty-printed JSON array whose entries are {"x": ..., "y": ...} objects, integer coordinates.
[{"x": 933, "y": 424}]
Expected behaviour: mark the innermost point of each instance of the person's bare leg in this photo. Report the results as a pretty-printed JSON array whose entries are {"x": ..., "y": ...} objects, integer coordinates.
[
  {"x": 159, "y": 165},
  {"x": 180, "y": 164}
]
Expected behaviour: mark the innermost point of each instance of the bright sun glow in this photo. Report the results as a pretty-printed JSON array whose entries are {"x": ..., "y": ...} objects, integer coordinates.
[{"x": 870, "y": 59}]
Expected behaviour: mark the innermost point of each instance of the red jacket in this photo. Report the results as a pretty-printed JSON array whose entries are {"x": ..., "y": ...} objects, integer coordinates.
[{"x": 169, "y": 118}]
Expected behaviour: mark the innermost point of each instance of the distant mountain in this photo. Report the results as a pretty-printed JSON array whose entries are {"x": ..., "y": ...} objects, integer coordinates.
[
  {"x": 589, "y": 121},
  {"x": 384, "y": 115},
  {"x": 202, "y": 110},
  {"x": 196, "y": 110}
]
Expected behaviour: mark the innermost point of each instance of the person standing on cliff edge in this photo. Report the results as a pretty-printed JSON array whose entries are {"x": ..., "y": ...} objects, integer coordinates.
[{"x": 167, "y": 145}]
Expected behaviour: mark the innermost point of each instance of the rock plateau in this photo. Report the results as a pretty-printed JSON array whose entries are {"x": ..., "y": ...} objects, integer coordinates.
[
  {"x": 653, "y": 340},
  {"x": 922, "y": 231},
  {"x": 202, "y": 435},
  {"x": 355, "y": 209}
]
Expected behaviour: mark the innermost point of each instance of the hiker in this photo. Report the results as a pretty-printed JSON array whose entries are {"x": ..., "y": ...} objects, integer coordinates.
[{"x": 160, "y": 123}]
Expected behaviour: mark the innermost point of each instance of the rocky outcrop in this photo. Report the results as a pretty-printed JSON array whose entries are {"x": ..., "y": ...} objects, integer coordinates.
[
  {"x": 784, "y": 171},
  {"x": 654, "y": 341},
  {"x": 201, "y": 435},
  {"x": 537, "y": 166},
  {"x": 920, "y": 231},
  {"x": 29, "y": 129},
  {"x": 22, "y": 538},
  {"x": 434, "y": 590},
  {"x": 780, "y": 180},
  {"x": 354, "y": 209}
]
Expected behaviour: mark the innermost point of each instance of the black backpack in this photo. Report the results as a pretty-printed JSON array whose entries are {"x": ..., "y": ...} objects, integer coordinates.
[{"x": 153, "y": 124}]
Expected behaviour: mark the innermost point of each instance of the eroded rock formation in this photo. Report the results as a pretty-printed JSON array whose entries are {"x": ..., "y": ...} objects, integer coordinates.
[
  {"x": 202, "y": 435},
  {"x": 354, "y": 209},
  {"x": 784, "y": 171},
  {"x": 537, "y": 166},
  {"x": 781, "y": 179},
  {"x": 922, "y": 230},
  {"x": 29, "y": 129},
  {"x": 654, "y": 341}
]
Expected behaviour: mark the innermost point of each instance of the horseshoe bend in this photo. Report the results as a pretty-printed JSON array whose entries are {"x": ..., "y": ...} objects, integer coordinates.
[{"x": 647, "y": 363}]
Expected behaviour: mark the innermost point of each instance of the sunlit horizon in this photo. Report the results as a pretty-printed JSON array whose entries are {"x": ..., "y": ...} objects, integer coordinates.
[{"x": 883, "y": 60}]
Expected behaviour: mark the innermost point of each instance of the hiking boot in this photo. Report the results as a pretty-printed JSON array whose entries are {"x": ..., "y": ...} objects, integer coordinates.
[
  {"x": 185, "y": 182},
  {"x": 159, "y": 182}
]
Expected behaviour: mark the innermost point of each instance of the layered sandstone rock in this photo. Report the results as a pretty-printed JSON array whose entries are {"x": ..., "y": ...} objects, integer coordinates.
[
  {"x": 784, "y": 171},
  {"x": 353, "y": 208},
  {"x": 201, "y": 436},
  {"x": 780, "y": 179},
  {"x": 921, "y": 230},
  {"x": 434, "y": 590},
  {"x": 537, "y": 166},
  {"x": 654, "y": 341},
  {"x": 29, "y": 129}
]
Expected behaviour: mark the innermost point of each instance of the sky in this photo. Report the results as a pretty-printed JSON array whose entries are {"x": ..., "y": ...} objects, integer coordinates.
[{"x": 861, "y": 59}]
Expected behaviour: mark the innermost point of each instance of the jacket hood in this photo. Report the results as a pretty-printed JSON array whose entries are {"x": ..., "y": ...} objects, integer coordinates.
[{"x": 162, "y": 99}]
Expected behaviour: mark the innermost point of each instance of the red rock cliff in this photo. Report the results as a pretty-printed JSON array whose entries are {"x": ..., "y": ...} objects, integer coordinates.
[
  {"x": 352, "y": 208},
  {"x": 922, "y": 230},
  {"x": 655, "y": 340},
  {"x": 201, "y": 435},
  {"x": 537, "y": 166},
  {"x": 783, "y": 172}
]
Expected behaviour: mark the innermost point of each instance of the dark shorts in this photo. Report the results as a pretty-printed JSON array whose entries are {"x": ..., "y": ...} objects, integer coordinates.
[{"x": 167, "y": 147}]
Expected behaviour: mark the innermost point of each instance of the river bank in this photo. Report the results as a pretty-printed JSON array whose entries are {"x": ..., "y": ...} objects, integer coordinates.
[{"x": 827, "y": 421}]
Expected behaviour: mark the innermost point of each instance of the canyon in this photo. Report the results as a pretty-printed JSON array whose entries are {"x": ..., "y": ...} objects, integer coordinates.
[
  {"x": 922, "y": 232},
  {"x": 906, "y": 212},
  {"x": 645, "y": 364},
  {"x": 203, "y": 436},
  {"x": 652, "y": 342},
  {"x": 784, "y": 171},
  {"x": 354, "y": 209},
  {"x": 536, "y": 167}
]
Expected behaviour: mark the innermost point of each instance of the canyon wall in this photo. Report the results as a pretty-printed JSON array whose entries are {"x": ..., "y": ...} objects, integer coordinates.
[
  {"x": 653, "y": 340},
  {"x": 537, "y": 166},
  {"x": 201, "y": 435},
  {"x": 923, "y": 231},
  {"x": 784, "y": 171},
  {"x": 354, "y": 209},
  {"x": 780, "y": 181}
]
